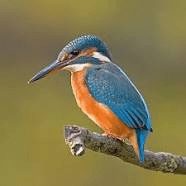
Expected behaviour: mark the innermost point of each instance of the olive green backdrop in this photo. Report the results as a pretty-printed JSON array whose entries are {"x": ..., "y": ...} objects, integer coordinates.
[{"x": 147, "y": 39}]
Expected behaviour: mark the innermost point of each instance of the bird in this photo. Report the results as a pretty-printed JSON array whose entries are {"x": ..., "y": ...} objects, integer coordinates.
[{"x": 103, "y": 91}]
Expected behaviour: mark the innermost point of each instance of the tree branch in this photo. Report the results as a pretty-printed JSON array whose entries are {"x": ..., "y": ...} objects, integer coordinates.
[{"x": 79, "y": 139}]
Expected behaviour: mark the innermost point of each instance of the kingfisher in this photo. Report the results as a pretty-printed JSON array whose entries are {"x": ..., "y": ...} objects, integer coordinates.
[{"x": 103, "y": 91}]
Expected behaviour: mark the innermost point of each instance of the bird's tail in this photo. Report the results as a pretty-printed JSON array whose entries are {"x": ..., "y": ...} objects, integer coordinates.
[{"x": 141, "y": 138}]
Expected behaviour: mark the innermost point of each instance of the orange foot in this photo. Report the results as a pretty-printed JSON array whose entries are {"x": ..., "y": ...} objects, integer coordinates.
[{"x": 110, "y": 135}]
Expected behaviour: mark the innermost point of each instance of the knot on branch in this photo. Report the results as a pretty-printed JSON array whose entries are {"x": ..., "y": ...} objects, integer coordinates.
[{"x": 75, "y": 139}]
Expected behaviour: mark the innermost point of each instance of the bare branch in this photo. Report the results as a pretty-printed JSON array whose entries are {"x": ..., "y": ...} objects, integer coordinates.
[{"x": 79, "y": 139}]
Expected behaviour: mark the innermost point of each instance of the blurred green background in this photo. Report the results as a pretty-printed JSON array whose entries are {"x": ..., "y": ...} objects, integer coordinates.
[{"x": 147, "y": 39}]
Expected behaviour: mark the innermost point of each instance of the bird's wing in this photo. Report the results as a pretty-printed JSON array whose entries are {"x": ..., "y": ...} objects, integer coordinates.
[{"x": 112, "y": 88}]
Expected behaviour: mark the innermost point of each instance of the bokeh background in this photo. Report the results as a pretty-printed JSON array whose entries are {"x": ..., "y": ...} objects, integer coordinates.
[{"x": 147, "y": 39}]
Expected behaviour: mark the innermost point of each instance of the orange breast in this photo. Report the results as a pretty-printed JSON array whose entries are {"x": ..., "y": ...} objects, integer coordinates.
[{"x": 98, "y": 112}]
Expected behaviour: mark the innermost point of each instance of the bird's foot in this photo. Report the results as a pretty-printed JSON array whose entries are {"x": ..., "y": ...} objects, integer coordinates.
[{"x": 111, "y": 136}]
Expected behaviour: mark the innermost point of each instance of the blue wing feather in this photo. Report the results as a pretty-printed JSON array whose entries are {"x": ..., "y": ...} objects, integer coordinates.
[{"x": 110, "y": 85}]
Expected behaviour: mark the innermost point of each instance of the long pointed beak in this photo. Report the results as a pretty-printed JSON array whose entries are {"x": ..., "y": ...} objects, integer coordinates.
[{"x": 55, "y": 66}]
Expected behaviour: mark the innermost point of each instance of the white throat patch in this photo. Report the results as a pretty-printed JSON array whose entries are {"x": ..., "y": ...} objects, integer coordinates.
[
  {"x": 101, "y": 57},
  {"x": 77, "y": 67}
]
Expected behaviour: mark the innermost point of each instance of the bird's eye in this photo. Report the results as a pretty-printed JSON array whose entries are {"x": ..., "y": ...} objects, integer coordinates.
[{"x": 74, "y": 53}]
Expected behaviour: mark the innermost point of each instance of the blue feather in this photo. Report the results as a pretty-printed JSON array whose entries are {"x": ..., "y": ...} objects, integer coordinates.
[
  {"x": 141, "y": 138},
  {"x": 110, "y": 86}
]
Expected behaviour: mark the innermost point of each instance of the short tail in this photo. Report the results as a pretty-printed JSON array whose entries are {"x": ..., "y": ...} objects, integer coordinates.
[{"x": 141, "y": 138}]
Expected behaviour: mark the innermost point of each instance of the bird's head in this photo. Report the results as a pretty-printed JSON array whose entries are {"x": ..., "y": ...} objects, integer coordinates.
[{"x": 81, "y": 52}]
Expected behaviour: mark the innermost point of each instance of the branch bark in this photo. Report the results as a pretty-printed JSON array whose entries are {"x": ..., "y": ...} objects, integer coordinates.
[{"x": 79, "y": 139}]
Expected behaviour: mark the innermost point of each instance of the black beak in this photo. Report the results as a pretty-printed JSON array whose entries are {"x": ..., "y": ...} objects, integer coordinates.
[{"x": 55, "y": 66}]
